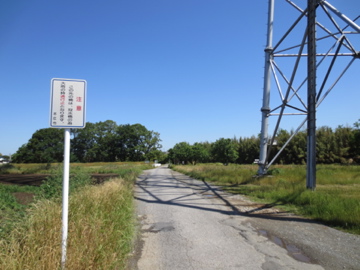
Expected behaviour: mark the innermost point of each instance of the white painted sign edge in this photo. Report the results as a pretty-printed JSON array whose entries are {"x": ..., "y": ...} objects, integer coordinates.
[{"x": 51, "y": 103}]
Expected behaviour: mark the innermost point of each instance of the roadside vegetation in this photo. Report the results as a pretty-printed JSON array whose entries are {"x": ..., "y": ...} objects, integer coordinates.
[
  {"x": 91, "y": 168},
  {"x": 101, "y": 220},
  {"x": 335, "y": 202}
]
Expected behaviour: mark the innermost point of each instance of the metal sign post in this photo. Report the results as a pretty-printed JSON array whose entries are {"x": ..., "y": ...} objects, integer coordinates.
[
  {"x": 67, "y": 110},
  {"x": 65, "y": 198}
]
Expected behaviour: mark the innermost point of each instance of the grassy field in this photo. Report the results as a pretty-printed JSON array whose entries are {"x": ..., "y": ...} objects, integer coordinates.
[
  {"x": 95, "y": 167},
  {"x": 101, "y": 221},
  {"x": 336, "y": 200}
]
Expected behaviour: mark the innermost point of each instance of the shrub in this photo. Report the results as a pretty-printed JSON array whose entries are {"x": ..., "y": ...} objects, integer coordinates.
[{"x": 53, "y": 186}]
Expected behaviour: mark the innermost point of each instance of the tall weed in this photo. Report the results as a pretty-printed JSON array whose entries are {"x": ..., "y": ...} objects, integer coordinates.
[{"x": 100, "y": 231}]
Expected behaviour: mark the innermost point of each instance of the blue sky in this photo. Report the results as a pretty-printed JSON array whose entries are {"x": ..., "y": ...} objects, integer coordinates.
[{"x": 191, "y": 70}]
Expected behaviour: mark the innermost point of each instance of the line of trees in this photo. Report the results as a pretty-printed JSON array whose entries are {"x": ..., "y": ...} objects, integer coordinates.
[
  {"x": 224, "y": 150},
  {"x": 103, "y": 141},
  {"x": 341, "y": 145},
  {"x": 107, "y": 142}
]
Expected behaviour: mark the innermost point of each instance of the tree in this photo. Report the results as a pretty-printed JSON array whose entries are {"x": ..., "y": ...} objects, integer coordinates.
[
  {"x": 105, "y": 141},
  {"x": 343, "y": 137},
  {"x": 45, "y": 146},
  {"x": 83, "y": 143},
  {"x": 355, "y": 142},
  {"x": 249, "y": 149},
  {"x": 200, "y": 153},
  {"x": 224, "y": 151},
  {"x": 95, "y": 142},
  {"x": 281, "y": 137},
  {"x": 136, "y": 143},
  {"x": 298, "y": 146},
  {"x": 158, "y": 155},
  {"x": 181, "y": 153},
  {"x": 325, "y": 145},
  {"x": 102, "y": 141}
]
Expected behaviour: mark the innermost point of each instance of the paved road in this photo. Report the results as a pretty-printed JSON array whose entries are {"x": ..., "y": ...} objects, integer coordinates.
[{"x": 188, "y": 224}]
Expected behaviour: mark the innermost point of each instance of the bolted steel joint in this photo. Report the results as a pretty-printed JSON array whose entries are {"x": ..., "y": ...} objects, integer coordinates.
[
  {"x": 265, "y": 109},
  {"x": 268, "y": 49}
]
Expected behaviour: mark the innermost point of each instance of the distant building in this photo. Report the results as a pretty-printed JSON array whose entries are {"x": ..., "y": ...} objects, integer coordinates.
[{"x": 3, "y": 160}]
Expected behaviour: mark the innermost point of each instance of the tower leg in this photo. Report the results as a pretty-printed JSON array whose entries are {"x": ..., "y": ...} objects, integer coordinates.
[
  {"x": 311, "y": 118},
  {"x": 265, "y": 109}
]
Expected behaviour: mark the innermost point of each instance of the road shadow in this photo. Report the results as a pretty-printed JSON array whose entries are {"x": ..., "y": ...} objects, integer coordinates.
[{"x": 152, "y": 185}]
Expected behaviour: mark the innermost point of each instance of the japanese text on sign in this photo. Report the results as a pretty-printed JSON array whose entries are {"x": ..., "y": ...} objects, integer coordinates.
[{"x": 67, "y": 103}]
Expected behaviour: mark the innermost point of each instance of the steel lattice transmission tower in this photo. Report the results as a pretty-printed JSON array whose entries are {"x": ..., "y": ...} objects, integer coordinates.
[{"x": 313, "y": 54}]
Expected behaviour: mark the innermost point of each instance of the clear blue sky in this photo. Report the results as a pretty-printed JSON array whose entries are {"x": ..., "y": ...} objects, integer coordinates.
[{"x": 191, "y": 70}]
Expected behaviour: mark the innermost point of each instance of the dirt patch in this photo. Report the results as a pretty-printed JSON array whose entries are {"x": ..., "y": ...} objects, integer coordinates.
[
  {"x": 24, "y": 197},
  {"x": 23, "y": 179},
  {"x": 100, "y": 178}
]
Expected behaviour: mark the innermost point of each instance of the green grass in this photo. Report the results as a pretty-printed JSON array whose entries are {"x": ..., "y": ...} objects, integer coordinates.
[
  {"x": 335, "y": 202},
  {"x": 101, "y": 221},
  {"x": 10, "y": 209},
  {"x": 100, "y": 231},
  {"x": 95, "y": 167},
  {"x": 7, "y": 201}
]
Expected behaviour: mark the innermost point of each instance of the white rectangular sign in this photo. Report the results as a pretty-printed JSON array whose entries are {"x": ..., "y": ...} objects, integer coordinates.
[{"x": 67, "y": 109}]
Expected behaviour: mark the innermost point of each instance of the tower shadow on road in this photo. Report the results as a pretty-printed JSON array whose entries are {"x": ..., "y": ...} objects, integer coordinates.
[{"x": 177, "y": 189}]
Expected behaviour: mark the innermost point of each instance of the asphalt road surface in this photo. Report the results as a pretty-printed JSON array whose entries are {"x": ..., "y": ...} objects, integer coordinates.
[{"x": 189, "y": 224}]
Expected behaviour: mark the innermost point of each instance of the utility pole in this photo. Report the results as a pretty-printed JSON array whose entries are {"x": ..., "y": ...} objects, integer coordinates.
[{"x": 311, "y": 91}]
